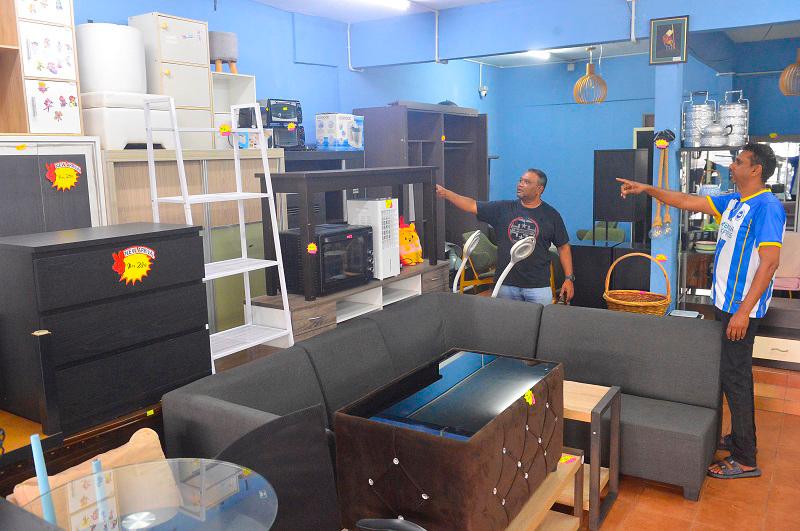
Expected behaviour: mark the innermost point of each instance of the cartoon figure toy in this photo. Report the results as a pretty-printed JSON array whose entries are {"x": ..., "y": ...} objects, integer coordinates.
[{"x": 410, "y": 248}]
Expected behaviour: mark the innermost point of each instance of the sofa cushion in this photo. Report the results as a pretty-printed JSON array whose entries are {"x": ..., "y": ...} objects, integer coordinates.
[
  {"x": 666, "y": 441},
  {"x": 491, "y": 325},
  {"x": 280, "y": 383},
  {"x": 350, "y": 362},
  {"x": 666, "y": 358},
  {"x": 412, "y": 331}
]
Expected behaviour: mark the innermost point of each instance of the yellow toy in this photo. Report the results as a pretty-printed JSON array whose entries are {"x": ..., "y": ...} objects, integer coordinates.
[{"x": 410, "y": 249}]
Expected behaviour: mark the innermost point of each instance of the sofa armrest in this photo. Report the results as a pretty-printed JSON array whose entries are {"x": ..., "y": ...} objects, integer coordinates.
[
  {"x": 198, "y": 425},
  {"x": 13, "y": 517}
]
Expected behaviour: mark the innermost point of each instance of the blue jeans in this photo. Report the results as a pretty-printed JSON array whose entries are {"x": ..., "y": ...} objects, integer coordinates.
[{"x": 540, "y": 295}]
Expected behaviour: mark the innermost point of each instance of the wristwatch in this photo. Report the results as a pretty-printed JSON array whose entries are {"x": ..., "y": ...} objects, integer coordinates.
[{"x": 570, "y": 277}]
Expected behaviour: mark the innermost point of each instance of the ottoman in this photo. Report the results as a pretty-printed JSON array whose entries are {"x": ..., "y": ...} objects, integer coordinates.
[{"x": 460, "y": 443}]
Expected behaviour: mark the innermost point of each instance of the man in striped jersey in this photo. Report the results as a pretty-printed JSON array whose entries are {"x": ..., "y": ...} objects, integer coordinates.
[{"x": 752, "y": 222}]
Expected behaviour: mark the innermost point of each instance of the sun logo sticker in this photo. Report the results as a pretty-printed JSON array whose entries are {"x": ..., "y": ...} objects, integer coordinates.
[
  {"x": 133, "y": 264},
  {"x": 529, "y": 398},
  {"x": 63, "y": 174}
]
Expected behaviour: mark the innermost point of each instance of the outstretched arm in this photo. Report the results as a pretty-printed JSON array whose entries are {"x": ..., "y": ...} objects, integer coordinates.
[
  {"x": 677, "y": 199},
  {"x": 467, "y": 204}
]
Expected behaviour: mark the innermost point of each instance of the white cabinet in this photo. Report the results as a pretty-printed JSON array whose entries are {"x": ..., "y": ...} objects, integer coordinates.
[
  {"x": 176, "y": 56},
  {"x": 47, "y": 51},
  {"x": 52, "y": 107},
  {"x": 183, "y": 41},
  {"x": 52, "y": 11},
  {"x": 189, "y": 85}
]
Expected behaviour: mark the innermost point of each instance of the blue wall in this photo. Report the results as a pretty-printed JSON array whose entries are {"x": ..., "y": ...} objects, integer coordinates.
[
  {"x": 539, "y": 125},
  {"x": 770, "y": 110}
]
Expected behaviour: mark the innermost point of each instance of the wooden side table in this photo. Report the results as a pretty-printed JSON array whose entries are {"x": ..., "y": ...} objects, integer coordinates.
[
  {"x": 587, "y": 403},
  {"x": 536, "y": 513}
]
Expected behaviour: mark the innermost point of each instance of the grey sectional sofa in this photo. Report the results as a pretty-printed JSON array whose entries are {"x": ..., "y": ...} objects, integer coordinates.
[{"x": 275, "y": 414}]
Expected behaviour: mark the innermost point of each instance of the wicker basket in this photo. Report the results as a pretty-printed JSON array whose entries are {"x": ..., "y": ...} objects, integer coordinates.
[{"x": 635, "y": 301}]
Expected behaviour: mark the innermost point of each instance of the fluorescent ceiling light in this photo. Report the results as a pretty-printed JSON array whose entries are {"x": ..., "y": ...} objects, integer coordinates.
[
  {"x": 400, "y": 5},
  {"x": 539, "y": 54}
]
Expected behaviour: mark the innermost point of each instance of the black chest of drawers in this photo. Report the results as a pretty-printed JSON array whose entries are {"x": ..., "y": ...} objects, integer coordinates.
[{"x": 97, "y": 322}]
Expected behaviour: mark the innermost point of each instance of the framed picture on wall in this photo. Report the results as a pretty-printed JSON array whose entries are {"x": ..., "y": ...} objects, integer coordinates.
[{"x": 668, "y": 40}]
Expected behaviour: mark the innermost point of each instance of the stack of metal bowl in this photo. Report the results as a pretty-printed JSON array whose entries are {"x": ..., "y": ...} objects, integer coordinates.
[
  {"x": 737, "y": 115},
  {"x": 696, "y": 117}
]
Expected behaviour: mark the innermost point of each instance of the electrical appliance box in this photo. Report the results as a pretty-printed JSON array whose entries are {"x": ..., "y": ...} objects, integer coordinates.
[{"x": 382, "y": 216}]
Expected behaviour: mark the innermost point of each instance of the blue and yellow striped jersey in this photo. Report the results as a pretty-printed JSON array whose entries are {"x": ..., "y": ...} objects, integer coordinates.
[{"x": 745, "y": 225}]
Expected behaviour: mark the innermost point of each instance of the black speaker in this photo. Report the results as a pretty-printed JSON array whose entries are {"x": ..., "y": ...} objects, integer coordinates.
[
  {"x": 590, "y": 264},
  {"x": 631, "y": 164}
]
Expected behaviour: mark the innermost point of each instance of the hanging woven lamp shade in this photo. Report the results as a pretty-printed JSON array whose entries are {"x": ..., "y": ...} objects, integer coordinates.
[
  {"x": 590, "y": 88},
  {"x": 790, "y": 78}
]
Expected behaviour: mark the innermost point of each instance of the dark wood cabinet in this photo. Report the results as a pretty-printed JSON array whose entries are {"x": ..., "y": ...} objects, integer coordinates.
[
  {"x": 591, "y": 264},
  {"x": 34, "y": 200},
  {"x": 454, "y": 139},
  {"x": 98, "y": 322}
]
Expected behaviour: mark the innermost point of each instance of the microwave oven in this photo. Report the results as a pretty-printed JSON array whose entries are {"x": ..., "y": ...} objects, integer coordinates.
[
  {"x": 284, "y": 137},
  {"x": 280, "y": 112},
  {"x": 341, "y": 256}
]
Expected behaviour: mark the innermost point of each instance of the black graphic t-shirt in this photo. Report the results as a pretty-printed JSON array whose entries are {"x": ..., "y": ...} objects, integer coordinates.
[{"x": 513, "y": 222}]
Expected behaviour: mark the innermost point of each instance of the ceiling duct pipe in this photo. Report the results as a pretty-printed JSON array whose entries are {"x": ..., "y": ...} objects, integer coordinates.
[
  {"x": 633, "y": 19},
  {"x": 349, "y": 53}
]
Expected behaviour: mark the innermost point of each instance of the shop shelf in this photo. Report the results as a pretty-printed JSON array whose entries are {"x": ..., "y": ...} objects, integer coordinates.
[
  {"x": 235, "y": 266},
  {"x": 242, "y": 337}
]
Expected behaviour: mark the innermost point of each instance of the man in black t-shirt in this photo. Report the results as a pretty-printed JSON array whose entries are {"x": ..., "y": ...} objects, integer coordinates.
[{"x": 515, "y": 220}]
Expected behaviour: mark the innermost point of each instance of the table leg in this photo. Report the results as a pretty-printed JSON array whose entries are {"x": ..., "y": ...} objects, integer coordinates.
[
  {"x": 594, "y": 471},
  {"x": 307, "y": 231},
  {"x": 577, "y": 498},
  {"x": 613, "y": 465},
  {"x": 429, "y": 209}
]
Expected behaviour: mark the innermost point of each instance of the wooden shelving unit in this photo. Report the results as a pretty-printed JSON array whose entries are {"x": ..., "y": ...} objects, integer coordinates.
[
  {"x": 25, "y": 111},
  {"x": 12, "y": 95},
  {"x": 450, "y": 138}
]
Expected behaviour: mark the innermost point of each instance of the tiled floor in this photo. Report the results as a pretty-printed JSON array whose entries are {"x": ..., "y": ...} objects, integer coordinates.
[{"x": 768, "y": 503}]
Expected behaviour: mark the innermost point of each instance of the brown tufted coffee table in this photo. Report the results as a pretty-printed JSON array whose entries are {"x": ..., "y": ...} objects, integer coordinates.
[{"x": 461, "y": 443}]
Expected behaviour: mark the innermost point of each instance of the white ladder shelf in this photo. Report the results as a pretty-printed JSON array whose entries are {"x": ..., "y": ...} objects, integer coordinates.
[{"x": 249, "y": 334}]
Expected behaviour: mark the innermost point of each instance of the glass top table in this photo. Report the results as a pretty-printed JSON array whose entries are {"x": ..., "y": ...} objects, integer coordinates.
[
  {"x": 173, "y": 494},
  {"x": 456, "y": 396}
]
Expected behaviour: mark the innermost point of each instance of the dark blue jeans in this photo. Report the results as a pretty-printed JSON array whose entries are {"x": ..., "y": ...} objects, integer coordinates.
[{"x": 736, "y": 374}]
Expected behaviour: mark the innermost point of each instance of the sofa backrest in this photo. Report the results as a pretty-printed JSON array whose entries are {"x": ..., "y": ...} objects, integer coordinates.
[
  {"x": 280, "y": 383},
  {"x": 666, "y": 358},
  {"x": 490, "y": 325},
  {"x": 412, "y": 331},
  {"x": 350, "y": 361}
]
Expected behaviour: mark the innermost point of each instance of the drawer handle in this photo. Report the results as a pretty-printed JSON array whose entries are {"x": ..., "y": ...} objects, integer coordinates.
[
  {"x": 780, "y": 349},
  {"x": 315, "y": 319},
  {"x": 167, "y": 72},
  {"x": 39, "y": 333},
  {"x": 164, "y": 25},
  {"x": 433, "y": 279}
]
